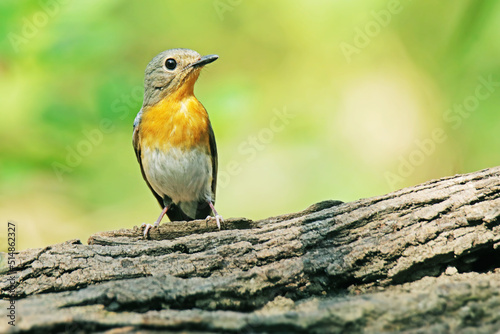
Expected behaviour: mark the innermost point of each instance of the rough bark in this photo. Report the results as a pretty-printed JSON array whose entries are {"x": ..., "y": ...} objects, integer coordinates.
[{"x": 419, "y": 260}]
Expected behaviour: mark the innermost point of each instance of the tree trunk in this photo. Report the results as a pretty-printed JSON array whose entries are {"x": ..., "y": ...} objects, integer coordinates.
[{"x": 419, "y": 260}]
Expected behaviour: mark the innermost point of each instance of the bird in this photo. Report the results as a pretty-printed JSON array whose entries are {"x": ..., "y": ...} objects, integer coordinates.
[{"x": 173, "y": 138}]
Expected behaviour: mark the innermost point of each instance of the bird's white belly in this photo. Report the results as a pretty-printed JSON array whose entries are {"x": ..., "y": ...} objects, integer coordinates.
[{"x": 184, "y": 176}]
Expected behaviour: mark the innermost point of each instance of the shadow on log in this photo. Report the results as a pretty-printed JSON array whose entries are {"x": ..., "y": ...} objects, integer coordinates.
[{"x": 419, "y": 260}]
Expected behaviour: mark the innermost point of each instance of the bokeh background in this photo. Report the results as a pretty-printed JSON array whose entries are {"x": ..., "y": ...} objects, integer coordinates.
[{"x": 310, "y": 100}]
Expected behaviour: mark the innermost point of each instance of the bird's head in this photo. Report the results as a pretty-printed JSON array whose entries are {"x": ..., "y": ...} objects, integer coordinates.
[{"x": 173, "y": 72}]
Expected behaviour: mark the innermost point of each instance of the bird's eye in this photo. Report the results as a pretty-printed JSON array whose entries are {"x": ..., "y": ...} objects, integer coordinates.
[{"x": 170, "y": 63}]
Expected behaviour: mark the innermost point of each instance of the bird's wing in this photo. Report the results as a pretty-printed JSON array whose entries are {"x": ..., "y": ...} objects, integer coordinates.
[
  {"x": 137, "y": 149},
  {"x": 203, "y": 208},
  {"x": 213, "y": 152}
]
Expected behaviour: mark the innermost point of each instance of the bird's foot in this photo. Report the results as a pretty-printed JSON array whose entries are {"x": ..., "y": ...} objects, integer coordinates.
[
  {"x": 218, "y": 219},
  {"x": 147, "y": 227}
]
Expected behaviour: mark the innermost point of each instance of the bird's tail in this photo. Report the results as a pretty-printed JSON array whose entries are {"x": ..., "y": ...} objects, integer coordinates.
[
  {"x": 175, "y": 213},
  {"x": 188, "y": 211}
]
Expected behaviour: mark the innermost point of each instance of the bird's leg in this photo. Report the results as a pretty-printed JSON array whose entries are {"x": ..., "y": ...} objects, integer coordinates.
[
  {"x": 157, "y": 222},
  {"x": 218, "y": 218}
]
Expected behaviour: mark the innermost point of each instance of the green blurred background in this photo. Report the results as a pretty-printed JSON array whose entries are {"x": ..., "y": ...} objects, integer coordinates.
[{"x": 367, "y": 82}]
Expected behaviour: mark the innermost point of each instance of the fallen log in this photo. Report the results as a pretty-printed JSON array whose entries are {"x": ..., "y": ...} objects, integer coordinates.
[{"x": 421, "y": 259}]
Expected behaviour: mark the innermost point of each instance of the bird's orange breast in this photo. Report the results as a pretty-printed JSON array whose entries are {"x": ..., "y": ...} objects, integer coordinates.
[{"x": 176, "y": 121}]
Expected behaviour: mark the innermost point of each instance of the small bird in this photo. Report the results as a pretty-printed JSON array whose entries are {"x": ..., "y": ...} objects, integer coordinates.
[{"x": 173, "y": 138}]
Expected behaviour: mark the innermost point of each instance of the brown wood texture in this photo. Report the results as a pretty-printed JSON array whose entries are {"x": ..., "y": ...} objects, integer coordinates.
[{"x": 418, "y": 260}]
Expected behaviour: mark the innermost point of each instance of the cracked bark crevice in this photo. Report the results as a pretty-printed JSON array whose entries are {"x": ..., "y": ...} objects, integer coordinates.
[{"x": 420, "y": 259}]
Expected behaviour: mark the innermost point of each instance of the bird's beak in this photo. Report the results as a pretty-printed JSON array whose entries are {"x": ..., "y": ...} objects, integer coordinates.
[{"x": 204, "y": 60}]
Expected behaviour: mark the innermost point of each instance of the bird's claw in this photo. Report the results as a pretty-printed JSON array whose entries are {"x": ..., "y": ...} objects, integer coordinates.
[
  {"x": 218, "y": 219},
  {"x": 147, "y": 227}
]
